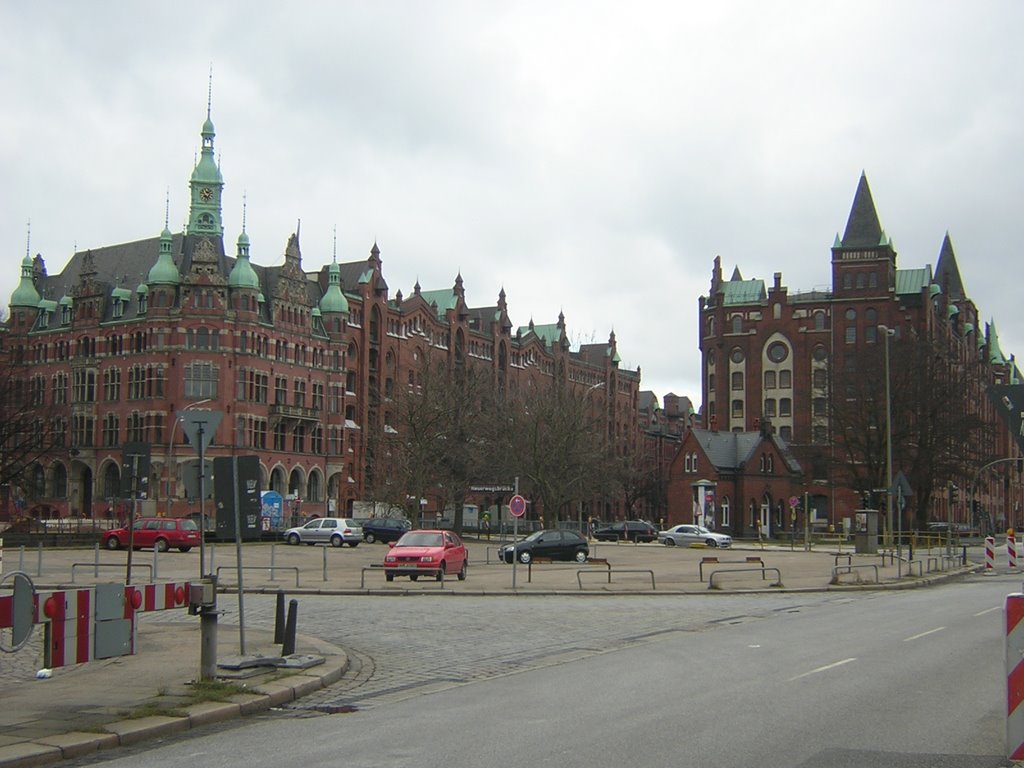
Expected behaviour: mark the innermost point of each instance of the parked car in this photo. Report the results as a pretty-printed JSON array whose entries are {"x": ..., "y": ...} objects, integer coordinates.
[
  {"x": 432, "y": 551},
  {"x": 686, "y": 535},
  {"x": 326, "y": 530},
  {"x": 384, "y": 529},
  {"x": 160, "y": 533},
  {"x": 558, "y": 545},
  {"x": 630, "y": 530}
]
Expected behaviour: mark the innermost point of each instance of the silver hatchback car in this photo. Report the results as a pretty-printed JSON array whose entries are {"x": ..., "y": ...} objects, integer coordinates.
[
  {"x": 686, "y": 535},
  {"x": 326, "y": 530}
]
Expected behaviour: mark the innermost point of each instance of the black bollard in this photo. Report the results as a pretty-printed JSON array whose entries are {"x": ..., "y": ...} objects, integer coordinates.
[
  {"x": 279, "y": 618},
  {"x": 289, "y": 633}
]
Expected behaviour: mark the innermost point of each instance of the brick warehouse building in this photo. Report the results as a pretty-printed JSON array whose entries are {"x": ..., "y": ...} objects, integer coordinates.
[
  {"x": 301, "y": 364},
  {"x": 777, "y": 367}
]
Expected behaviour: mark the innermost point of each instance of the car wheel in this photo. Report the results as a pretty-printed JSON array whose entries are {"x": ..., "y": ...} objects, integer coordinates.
[
  {"x": 293, "y": 538},
  {"x": 184, "y": 549},
  {"x": 353, "y": 543},
  {"x": 336, "y": 540},
  {"x": 440, "y": 572},
  {"x": 711, "y": 543},
  {"x": 462, "y": 571},
  {"x": 581, "y": 556},
  {"x": 525, "y": 558},
  {"x": 670, "y": 542},
  {"x": 113, "y": 543},
  {"x": 160, "y": 545},
  {"x": 389, "y": 577},
  {"x": 369, "y": 538},
  {"x": 413, "y": 576}
]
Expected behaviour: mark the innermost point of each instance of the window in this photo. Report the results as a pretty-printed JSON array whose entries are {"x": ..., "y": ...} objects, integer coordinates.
[
  {"x": 737, "y": 324},
  {"x": 818, "y": 405},
  {"x": 737, "y": 355},
  {"x": 785, "y": 379},
  {"x": 737, "y": 381},
  {"x": 786, "y": 433},
  {"x": 711, "y": 381},
  {"x": 848, "y": 280},
  {"x": 280, "y": 390},
  {"x": 279, "y": 436},
  {"x": 785, "y": 407},
  {"x": 201, "y": 380},
  {"x": 819, "y": 321},
  {"x": 769, "y": 407},
  {"x": 737, "y": 409},
  {"x": 777, "y": 352},
  {"x": 111, "y": 436},
  {"x": 819, "y": 434},
  {"x": 851, "y": 315},
  {"x": 851, "y": 334},
  {"x": 112, "y": 385},
  {"x": 84, "y": 387},
  {"x": 820, "y": 354},
  {"x": 724, "y": 507},
  {"x": 818, "y": 378},
  {"x": 769, "y": 379}
]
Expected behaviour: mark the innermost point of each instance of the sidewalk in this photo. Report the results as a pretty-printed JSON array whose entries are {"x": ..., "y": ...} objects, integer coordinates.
[{"x": 104, "y": 704}]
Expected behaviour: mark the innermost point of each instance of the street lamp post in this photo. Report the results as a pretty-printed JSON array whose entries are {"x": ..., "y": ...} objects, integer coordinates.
[
  {"x": 889, "y": 333},
  {"x": 170, "y": 454}
]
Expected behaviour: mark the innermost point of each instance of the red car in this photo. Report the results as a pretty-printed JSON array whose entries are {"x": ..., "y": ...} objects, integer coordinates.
[
  {"x": 160, "y": 533},
  {"x": 433, "y": 553}
]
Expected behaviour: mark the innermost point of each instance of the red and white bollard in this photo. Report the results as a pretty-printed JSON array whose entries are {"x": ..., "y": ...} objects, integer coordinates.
[
  {"x": 990, "y": 556},
  {"x": 1014, "y": 654},
  {"x": 1011, "y": 550}
]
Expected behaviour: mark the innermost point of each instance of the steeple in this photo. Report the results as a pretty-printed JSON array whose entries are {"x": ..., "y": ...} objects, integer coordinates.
[
  {"x": 947, "y": 273},
  {"x": 333, "y": 299},
  {"x": 863, "y": 230},
  {"x": 242, "y": 274},
  {"x": 207, "y": 184},
  {"x": 26, "y": 295}
]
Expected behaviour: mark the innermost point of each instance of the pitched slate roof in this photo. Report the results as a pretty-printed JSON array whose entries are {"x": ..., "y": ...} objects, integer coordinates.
[
  {"x": 730, "y": 451},
  {"x": 863, "y": 230},
  {"x": 947, "y": 273}
]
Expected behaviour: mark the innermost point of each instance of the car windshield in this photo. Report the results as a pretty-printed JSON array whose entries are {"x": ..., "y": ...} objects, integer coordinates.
[
  {"x": 189, "y": 525},
  {"x": 533, "y": 536},
  {"x": 702, "y": 529},
  {"x": 416, "y": 539}
]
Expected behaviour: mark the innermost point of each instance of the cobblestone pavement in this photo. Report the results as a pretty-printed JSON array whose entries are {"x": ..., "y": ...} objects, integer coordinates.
[{"x": 403, "y": 647}]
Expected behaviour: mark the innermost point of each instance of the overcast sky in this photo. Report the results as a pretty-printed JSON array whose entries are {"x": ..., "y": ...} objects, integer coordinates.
[{"x": 590, "y": 158}]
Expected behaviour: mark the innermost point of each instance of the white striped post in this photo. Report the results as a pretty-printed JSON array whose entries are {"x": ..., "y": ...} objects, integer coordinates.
[
  {"x": 1014, "y": 652},
  {"x": 1011, "y": 550},
  {"x": 990, "y": 556}
]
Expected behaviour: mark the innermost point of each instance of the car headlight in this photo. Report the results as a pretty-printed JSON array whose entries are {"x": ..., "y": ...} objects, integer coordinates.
[{"x": 389, "y": 559}]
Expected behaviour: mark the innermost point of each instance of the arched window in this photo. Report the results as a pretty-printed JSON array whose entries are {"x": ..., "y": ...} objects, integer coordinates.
[{"x": 737, "y": 324}]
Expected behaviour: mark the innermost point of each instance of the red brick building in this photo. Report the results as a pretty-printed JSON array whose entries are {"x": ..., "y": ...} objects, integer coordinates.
[
  {"x": 302, "y": 362},
  {"x": 771, "y": 356}
]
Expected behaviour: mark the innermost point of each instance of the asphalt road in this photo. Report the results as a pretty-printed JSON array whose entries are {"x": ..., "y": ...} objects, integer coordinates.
[{"x": 898, "y": 678}]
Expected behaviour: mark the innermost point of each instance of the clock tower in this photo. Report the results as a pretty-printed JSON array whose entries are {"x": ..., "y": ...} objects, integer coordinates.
[{"x": 206, "y": 185}]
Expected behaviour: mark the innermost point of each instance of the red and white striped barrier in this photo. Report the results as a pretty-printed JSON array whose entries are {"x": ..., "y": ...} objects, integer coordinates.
[
  {"x": 990, "y": 556},
  {"x": 1014, "y": 654},
  {"x": 71, "y": 620},
  {"x": 1011, "y": 551}
]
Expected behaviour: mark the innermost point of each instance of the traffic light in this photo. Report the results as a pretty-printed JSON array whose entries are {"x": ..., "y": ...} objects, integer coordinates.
[{"x": 954, "y": 493}]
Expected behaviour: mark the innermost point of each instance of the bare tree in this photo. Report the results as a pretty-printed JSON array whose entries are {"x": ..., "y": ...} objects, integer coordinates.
[
  {"x": 936, "y": 427},
  {"x": 31, "y": 433},
  {"x": 555, "y": 444}
]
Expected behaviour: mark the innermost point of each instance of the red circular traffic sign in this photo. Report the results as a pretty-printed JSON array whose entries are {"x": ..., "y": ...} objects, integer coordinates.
[{"x": 517, "y": 506}]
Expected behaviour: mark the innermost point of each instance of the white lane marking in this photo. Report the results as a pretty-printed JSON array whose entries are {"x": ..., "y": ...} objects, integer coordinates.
[
  {"x": 989, "y": 610},
  {"x": 822, "y": 669},
  {"x": 923, "y": 634}
]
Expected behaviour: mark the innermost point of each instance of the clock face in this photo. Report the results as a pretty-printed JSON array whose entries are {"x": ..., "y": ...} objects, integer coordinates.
[{"x": 206, "y": 193}]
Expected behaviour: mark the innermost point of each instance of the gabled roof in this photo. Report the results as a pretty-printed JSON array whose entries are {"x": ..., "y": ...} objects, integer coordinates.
[
  {"x": 730, "y": 451},
  {"x": 445, "y": 299}
]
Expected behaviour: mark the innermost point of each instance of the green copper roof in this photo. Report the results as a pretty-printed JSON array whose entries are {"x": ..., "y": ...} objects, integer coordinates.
[
  {"x": 911, "y": 280},
  {"x": 48, "y": 305},
  {"x": 164, "y": 272},
  {"x": 743, "y": 292},
  {"x": 25, "y": 295},
  {"x": 121, "y": 293},
  {"x": 995, "y": 354},
  {"x": 333, "y": 299},
  {"x": 445, "y": 299},
  {"x": 143, "y": 288},
  {"x": 242, "y": 274}
]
